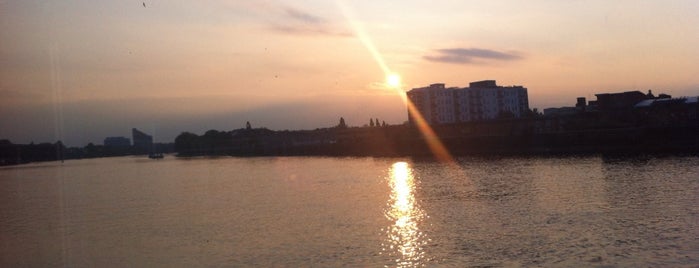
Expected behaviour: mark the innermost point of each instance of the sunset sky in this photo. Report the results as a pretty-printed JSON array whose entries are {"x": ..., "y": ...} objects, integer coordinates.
[{"x": 80, "y": 71}]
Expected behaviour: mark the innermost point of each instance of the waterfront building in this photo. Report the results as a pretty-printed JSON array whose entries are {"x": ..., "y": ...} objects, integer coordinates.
[
  {"x": 561, "y": 111},
  {"x": 621, "y": 101},
  {"x": 142, "y": 142},
  {"x": 482, "y": 100},
  {"x": 117, "y": 142}
]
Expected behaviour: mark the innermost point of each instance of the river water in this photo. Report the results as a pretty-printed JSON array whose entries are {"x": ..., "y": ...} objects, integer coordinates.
[{"x": 365, "y": 212}]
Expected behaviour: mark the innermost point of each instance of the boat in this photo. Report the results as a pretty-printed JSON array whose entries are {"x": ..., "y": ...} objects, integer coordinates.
[{"x": 156, "y": 156}]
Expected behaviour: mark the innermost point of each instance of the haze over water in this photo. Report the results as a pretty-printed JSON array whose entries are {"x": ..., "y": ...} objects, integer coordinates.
[{"x": 367, "y": 212}]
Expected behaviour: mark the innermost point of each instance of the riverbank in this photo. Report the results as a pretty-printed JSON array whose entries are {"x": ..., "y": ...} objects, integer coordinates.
[{"x": 504, "y": 137}]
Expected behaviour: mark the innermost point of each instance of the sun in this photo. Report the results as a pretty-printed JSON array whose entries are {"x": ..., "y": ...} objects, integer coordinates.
[{"x": 393, "y": 80}]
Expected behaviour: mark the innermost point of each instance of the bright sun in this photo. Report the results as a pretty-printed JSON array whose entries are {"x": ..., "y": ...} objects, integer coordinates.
[{"x": 393, "y": 80}]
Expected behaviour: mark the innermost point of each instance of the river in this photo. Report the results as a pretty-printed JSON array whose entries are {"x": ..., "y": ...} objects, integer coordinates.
[{"x": 588, "y": 211}]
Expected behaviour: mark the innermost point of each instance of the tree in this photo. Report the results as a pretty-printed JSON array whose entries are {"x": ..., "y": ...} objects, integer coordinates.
[
  {"x": 247, "y": 125},
  {"x": 60, "y": 148},
  {"x": 532, "y": 113},
  {"x": 371, "y": 122},
  {"x": 377, "y": 122},
  {"x": 91, "y": 150},
  {"x": 342, "y": 123},
  {"x": 383, "y": 123},
  {"x": 186, "y": 143}
]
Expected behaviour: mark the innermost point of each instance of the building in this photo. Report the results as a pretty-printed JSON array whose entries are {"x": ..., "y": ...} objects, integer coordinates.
[
  {"x": 482, "y": 100},
  {"x": 611, "y": 103},
  {"x": 561, "y": 111},
  {"x": 142, "y": 142},
  {"x": 117, "y": 142},
  {"x": 620, "y": 101},
  {"x": 623, "y": 101},
  {"x": 580, "y": 107}
]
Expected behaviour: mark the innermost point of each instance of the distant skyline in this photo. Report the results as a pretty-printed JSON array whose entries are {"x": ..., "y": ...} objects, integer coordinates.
[{"x": 80, "y": 71}]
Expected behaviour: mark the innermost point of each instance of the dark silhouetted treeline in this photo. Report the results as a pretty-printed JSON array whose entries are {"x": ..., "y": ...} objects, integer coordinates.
[
  {"x": 674, "y": 130},
  {"x": 12, "y": 154}
]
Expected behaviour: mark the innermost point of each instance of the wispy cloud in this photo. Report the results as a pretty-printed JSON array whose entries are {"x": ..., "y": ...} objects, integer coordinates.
[
  {"x": 471, "y": 55},
  {"x": 308, "y": 30},
  {"x": 303, "y": 16},
  {"x": 283, "y": 18},
  {"x": 300, "y": 22}
]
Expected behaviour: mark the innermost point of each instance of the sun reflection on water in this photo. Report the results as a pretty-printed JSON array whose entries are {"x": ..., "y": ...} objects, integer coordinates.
[{"x": 404, "y": 240}]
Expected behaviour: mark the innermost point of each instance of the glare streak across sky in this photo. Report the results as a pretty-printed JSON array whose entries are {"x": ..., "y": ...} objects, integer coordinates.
[
  {"x": 361, "y": 34},
  {"x": 436, "y": 146},
  {"x": 176, "y": 66}
]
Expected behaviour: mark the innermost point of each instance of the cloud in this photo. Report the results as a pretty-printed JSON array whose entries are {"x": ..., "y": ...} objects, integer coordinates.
[
  {"x": 471, "y": 55},
  {"x": 302, "y": 16},
  {"x": 287, "y": 19},
  {"x": 299, "y": 22},
  {"x": 306, "y": 30}
]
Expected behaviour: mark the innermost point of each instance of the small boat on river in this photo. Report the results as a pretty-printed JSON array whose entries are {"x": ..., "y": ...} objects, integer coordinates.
[{"x": 156, "y": 156}]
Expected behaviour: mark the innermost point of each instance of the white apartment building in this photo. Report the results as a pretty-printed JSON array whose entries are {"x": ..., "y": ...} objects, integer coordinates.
[{"x": 482, "y": 100}]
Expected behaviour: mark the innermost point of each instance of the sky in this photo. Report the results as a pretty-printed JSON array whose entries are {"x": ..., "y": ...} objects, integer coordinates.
[{"x": 80, "y": 71}]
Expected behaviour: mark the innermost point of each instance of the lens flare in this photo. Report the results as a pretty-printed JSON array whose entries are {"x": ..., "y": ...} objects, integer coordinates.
[{"x": 432, "y": 140}]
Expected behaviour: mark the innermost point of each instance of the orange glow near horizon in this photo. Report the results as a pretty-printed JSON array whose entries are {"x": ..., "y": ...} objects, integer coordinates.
[
  {"x": 277, "y": 63},
  {"x": 393, "y": 81}
]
